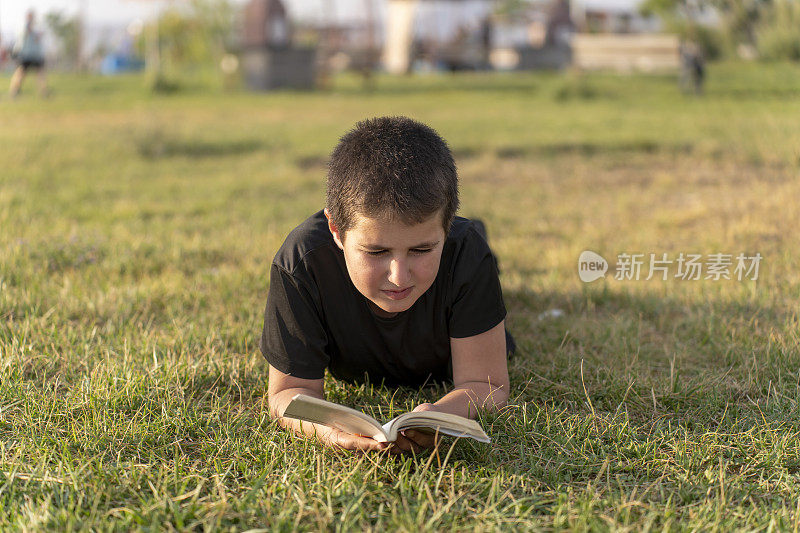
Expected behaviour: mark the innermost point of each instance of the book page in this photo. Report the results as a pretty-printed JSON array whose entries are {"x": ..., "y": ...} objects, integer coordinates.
[
  {"x": 445, "y": 423},
  {"x": 333, "y": 415}
]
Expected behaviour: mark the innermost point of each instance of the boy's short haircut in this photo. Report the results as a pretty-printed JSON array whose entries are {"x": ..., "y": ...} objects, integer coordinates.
[{"x": 391, "y": 167}]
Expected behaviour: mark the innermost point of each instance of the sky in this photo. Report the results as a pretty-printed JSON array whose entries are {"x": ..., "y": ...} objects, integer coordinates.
[
  {"x": 122, "y": 12},
  {"x": 99, "y": 12}
]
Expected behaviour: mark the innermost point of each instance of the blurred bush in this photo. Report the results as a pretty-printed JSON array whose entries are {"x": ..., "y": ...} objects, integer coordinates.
[
  {"x": 684, "y": 19},
  {"x": 778, "y": 36},
  {"x": 575, "y": 85},
  {"x": 712, "y": 41},
  {"x": 197, "y": 33},
  {"x": 769, "y": 27},
  {"x": 67, "y": 33}
]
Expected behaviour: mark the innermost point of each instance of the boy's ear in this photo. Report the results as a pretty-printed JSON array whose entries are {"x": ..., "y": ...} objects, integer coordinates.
[{"x": 334, "y": 230}]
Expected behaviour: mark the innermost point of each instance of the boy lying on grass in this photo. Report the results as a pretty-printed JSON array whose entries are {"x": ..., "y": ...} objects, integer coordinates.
[{"x": 387, "y": 283}]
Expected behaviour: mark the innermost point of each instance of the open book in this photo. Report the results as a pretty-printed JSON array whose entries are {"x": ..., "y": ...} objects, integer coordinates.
[{"x": 337, "y": 416}]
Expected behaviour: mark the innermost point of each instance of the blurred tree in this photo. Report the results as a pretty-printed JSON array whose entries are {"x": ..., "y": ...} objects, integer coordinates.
[
  {"x": 771, "y": 27},
  {"x": 778, "y": 34},
  {"x": 197, "y": 34},
  {"x": 683, "y": 17},
  {"x": 740, "y": 18},
  {"x": 217, "y": 19},
  {"x": 179, "y": 39},
  {"x": 67, "y": 31}
]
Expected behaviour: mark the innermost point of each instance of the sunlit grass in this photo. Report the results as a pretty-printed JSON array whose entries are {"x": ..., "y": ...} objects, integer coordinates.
[{"x": 135, "y": 237}]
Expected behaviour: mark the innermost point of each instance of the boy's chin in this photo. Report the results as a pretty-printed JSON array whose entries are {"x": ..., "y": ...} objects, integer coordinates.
[{"x": 391, "y": 307}]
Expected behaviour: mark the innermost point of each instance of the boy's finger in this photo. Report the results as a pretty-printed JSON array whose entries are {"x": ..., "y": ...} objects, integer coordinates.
[
  {"x": 349, "y": 441},
  {"x": 396, "y": 450},
  {"x": 424, "y": 440},
  {"x": 406, "y": 445},
  {"x": 355, "y": 442}
]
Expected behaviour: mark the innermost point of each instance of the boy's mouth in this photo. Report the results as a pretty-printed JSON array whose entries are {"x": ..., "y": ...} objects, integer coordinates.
[{"x": 398, "y": 295}]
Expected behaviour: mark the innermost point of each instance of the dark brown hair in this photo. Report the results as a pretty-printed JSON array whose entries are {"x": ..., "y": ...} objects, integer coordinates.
[{"x": 395, "y": 167}]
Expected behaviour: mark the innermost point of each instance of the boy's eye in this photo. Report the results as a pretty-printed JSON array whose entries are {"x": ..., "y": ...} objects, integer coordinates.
[{"x": 413, "y": 250}]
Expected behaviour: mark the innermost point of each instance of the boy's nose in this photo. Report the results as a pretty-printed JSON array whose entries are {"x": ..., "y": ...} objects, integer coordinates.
[{"x": 399, "y": 274}]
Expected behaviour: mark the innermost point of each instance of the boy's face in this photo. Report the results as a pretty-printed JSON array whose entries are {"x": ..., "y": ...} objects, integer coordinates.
[{"x": 390, "y": 263}]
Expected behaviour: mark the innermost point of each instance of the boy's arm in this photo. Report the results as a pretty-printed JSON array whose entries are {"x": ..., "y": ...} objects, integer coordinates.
[
  {"x": 480, "y": 374},
  {"x": 283, "y": 387}
]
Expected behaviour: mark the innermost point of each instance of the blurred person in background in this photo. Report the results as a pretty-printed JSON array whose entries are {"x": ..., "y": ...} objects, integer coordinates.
[
  {"x": 692, "y": 67},
  {"x": 29, "y": 54}
]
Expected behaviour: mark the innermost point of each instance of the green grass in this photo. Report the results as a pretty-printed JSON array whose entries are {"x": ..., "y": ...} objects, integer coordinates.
[{"x": 135, "y": 237}]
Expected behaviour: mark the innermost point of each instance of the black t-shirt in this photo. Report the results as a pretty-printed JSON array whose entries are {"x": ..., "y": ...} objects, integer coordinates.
[{"x": 316, "y": 319}]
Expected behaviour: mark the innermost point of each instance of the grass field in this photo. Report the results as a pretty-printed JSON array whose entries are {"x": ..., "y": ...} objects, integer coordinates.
[{"x": 135, "y": 237}]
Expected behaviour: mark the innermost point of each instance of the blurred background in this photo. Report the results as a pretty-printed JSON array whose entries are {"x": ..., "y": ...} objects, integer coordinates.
[{"x": 268, "y": 44}]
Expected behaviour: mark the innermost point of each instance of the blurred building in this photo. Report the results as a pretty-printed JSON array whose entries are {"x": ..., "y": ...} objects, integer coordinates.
[
  {"x": 535, "y": 35},
  {"x": 408, "y": 35},
  {"x": 269, "y": 58},
  {"x": 536, "y": 38},
  {"x": 588, "y": 34},
  {"x": 621, "y": 39}
]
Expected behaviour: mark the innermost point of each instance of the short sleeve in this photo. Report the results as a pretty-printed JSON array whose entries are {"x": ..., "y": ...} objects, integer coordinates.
[
  {"x": 294, "y": 339},
  {"x": 477, "y": 298}
]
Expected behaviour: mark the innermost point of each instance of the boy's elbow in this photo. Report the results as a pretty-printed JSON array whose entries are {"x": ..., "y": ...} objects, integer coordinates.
[
  {"x": 274, "y": 412},
  {"x": 498, "y": 397},
  {"x": 494, "y": 397},
  {"x": 276, "y": 405}
]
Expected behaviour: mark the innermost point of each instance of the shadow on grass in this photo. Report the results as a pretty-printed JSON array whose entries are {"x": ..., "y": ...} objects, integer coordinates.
[
  {"x": 441, "y": 84},
  {"x": 656, "y": 354},
  {"x": 643, "y": 146},
  {"x": 788, "y": 92},
  {"x": 311, "y": 162},
  {"x": 157, "y": 146}
]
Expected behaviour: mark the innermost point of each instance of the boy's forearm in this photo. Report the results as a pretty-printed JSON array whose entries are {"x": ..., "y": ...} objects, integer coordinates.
[
  {"x": 465, "y": 399},
  {"x": 278, "y": 403}
]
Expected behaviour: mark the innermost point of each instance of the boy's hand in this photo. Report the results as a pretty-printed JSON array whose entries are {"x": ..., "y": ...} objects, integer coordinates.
[
  {"x": 408, "y": 441},
  {"x": 424, "y": 407},
  {"x": 342, "y": 440},
  {"x": 413, "y": 441}
]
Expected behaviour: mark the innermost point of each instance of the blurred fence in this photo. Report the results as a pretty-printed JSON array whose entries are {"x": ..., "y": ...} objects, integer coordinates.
[{"x": 626, "y": 52}]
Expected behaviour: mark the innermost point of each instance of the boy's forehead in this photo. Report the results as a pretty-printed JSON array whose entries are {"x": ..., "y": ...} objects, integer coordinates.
[{"x": 386, "y": 231}]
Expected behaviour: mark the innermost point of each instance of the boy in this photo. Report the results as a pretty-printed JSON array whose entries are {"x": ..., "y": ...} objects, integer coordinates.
[{"x": 387, "y": 283}]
